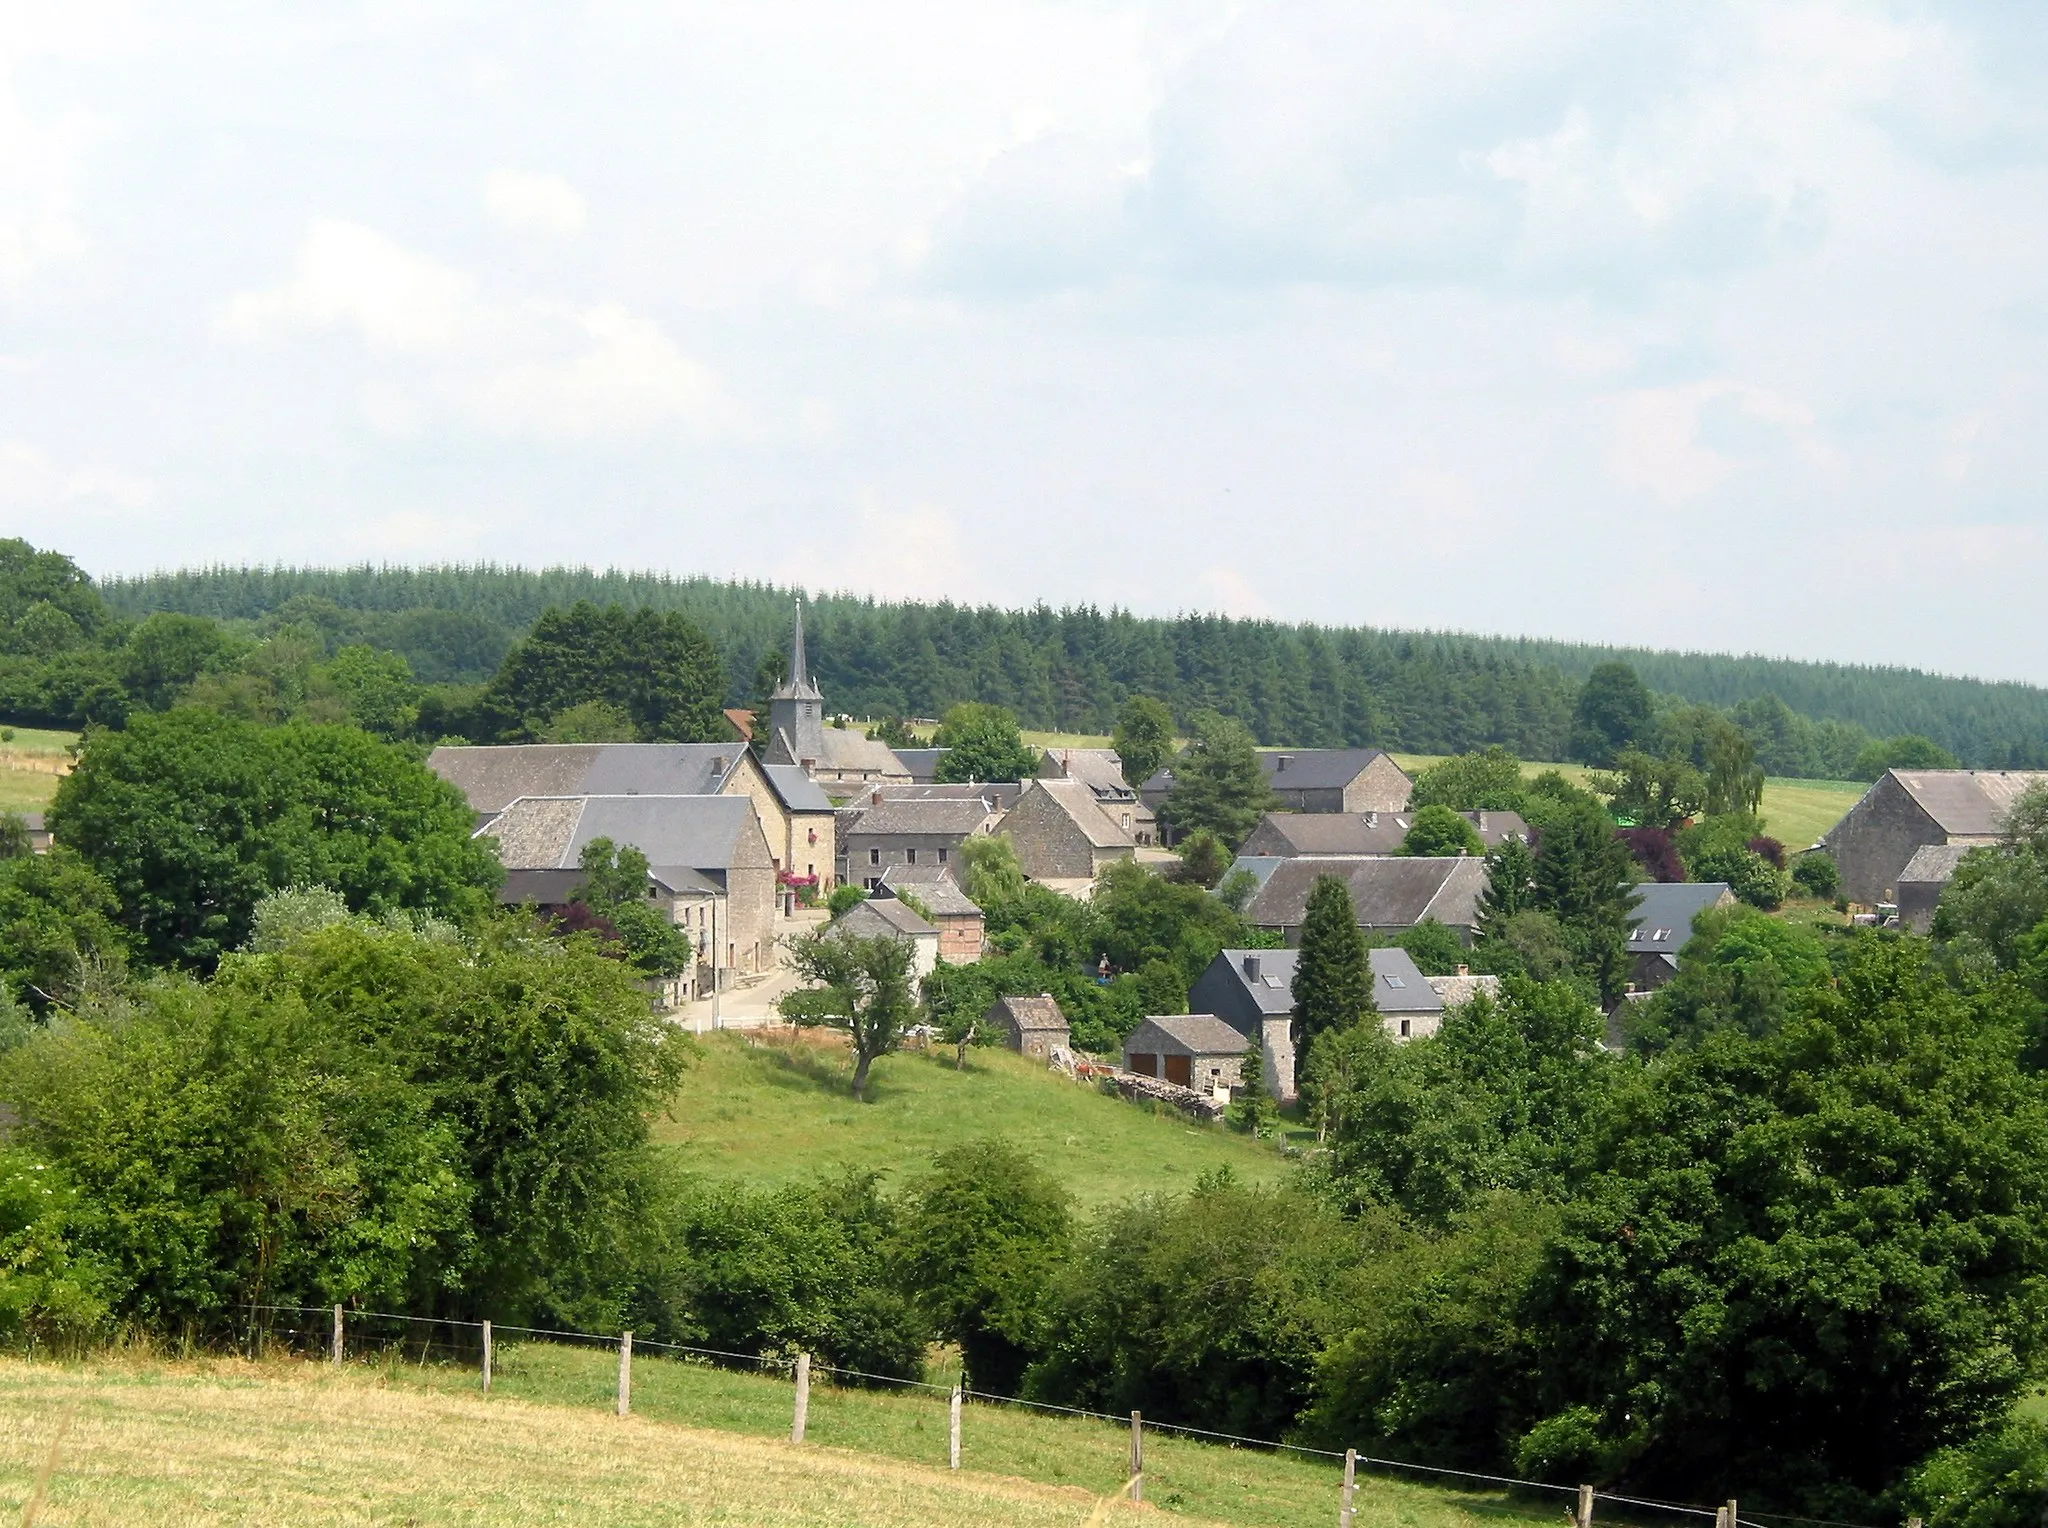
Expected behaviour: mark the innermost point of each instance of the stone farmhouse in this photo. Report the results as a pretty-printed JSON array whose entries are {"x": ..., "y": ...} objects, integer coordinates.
[
  {"x": 916, "y": 831},
  {"x": 796, "y": 819},
  {"x": 708, "y": 862},
  {"x": 1289, "y": 835},
  {"x": 1908, "y": 810},
  {"x": 1103, "y": 773},
  {"x": 1062, "y": 834},
  {"x": 1388, "y": 893},
  {"x": 880, "y": 917},
  {"x": 958, "y": 919},
  {"x": 1318, "y": 780}
]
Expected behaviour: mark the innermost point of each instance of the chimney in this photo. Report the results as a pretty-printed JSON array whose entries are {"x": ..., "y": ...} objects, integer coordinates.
[
  {"x": 874, "y": 798},
  {"x": 1251, "y": 968},
  {"x": 1464, "y": 970},
  {"x": 718, "y": 764},
  {"x": 1280, "y": 763}
]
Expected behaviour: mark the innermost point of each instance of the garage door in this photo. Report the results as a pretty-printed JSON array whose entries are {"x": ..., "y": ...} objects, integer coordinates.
[
  {"x": 1179, "y": 1069},
  {"x": 1147, "y": 1066}
]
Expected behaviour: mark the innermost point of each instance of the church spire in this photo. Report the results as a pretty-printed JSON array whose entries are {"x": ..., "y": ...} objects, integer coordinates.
[{"x": 798, "y": 686}]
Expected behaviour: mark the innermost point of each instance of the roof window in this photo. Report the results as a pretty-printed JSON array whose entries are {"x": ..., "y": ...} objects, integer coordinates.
[{"x": 1394, "y": 981}]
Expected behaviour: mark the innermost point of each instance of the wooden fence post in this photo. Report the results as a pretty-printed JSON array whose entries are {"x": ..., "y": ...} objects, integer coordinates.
[
  {"x": 626, "y": 1372},
  {"x": 1137, "y": 1456},
  {"x": 1731, "y": 1512},
  {"x": 803, "y": 1398},
  {"x": 953, "y": 1430},
  {"x": 337, "y": 1334},
  {"x": 487, "y": 1358},
  {"x": 1585, "y": 1517},
  {"x": 1347, "y": 1513}
]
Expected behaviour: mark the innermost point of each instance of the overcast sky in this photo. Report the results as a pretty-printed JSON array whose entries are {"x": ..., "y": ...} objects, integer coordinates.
[{"x": 1703, "y": 325}]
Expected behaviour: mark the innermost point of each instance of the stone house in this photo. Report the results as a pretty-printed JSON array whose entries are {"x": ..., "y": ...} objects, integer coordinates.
[
  {"x": 918, "y": 832},
  {"x": 798, "y": 821},
  {"x": 880, "y": 917},
  {"x": 1290, "y": 835},
  {"x": 1032, "y": 1026},
  {"x": 1924, "y": 879},
  {"x": 958, "y": 919},
  {"x": 1103, "y": 773},
  {"x": 1389, "y": 894},
  {"x": 1911, "y": 809},
  {"x": 1661, "y": 923},
  {"x": 1190, "y": 1050},
  {"x": 706, "y": 855},
  {"x": 1062, "y": 833},
  {"x": 922, "y": 764},
  {"x": 1318, "y": 780}
]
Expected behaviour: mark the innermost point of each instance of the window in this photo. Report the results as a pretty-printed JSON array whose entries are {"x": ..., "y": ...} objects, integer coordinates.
[
  {"x": 1662, "y": 935},
  {"x": 874, "y": 856},
  {"x": 1127, "y": 822},
  {"x": 814, "y": 838},
  {"x": 811, "y": 871},
  {"x": 873, "y": 883},
  {"x": 1395, "y": 981},
  {"x": 942, "y": 856},
  {"x": 1404, "y": 1029},
  {"x": 910, "y": 856}
]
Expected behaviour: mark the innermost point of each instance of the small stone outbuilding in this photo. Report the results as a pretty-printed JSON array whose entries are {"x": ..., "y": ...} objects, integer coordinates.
[
  {"x": 1031, "y": 1026},
  {"x": 939, "y": 897},
  {"x": 1192, "y": 1050}
]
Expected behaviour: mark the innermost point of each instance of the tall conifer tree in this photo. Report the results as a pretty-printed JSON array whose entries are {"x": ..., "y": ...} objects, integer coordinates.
[{"x": 1332, "y": 976}]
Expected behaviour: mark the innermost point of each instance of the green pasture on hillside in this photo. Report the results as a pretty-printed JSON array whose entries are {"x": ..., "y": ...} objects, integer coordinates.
[
  {"x": 761, "y": 1108},
  {"x": 30, "y": 762}
]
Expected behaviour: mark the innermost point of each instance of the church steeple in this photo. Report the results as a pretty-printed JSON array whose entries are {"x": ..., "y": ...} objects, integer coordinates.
[{"x": 796, "y": 711}]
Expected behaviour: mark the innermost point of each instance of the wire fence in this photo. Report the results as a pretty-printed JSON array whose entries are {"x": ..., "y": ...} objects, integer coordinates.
[{"x": 339, "y": 1331}]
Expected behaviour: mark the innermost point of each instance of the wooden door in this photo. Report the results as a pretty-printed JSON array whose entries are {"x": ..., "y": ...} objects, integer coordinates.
[{"x": 1180, "y": 1069}]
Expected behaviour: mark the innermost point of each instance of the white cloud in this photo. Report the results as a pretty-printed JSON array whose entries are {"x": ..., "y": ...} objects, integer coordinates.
[
  {"x": 349, "y": 274},
  {"x": 29, "y": 480},
  {"x": 631, "y": 378},
  {"x": 546, "y": 203},
  {"x": 917, "y": 552}
]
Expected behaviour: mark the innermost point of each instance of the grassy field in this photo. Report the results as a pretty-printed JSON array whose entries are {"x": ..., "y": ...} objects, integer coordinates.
[
  {"x": 397, "y": 1442},
  {"x": 775, "y": 1111},
  {"x": 1796, "y": 812},
  {"x": 30, "y": 763}
]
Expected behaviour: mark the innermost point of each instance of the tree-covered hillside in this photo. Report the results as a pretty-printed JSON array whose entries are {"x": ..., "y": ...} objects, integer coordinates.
[{"x": 1072, "y": 669}]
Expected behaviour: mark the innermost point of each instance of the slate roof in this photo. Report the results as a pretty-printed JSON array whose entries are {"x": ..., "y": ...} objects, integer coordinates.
[
  {"x": 494, "y": 776},
  {"x": 1077, "y": 800},
  {"x": 923, "y": 763},
  {"x": 1097, "y": 768},
  {"x": 1398, "y": 985},
  {"x": 1202, "y": 1034},
  {"x": 954, "y": 816},
  {"x": 797, "y": 791},
  {"x": 678, "y": 834},
  {"x": 1314, "y": 769},
  {"x": 1032, "y": 1014},
  {"x": 1001, "y": 794},
  {"x": 1662, "y": 920},
  {"x": 850, "y": 748},
  {"x": 1934, "y": 864},
  {"x": 1298, "y": 833},
  {"x": 552, "y": 888},
  {"x": 1967, "y": 803},
  {"x": 932, "y": 886},
  {"x": 891, "y": 915},
  {"x": 1387, "y": 893}
]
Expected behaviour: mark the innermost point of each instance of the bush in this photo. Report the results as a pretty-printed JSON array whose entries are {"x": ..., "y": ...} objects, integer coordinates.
[
  {"x": 1438, "y": 832},
  {"x": 1656, "y": 851},
  {"x": 1817, "y": 876},
  {"x": 1750, "y": 876},
  {"x": 1996, "y": 1481},
  {"x": 845, "y": 898}
]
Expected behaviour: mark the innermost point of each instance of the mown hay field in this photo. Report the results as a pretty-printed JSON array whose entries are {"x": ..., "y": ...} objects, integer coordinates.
[
  {"x": 32, "y": 761},
  {"x": 766, "y": 1109},
  {"x": 392, "y": 1441}
]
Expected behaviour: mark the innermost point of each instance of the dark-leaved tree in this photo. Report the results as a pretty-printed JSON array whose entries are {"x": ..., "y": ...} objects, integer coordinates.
[
  {"x": 1218, "y": 783},
  {"x": 1614, "y": 711},
  {"x": 658, "y": 668},
  {"x": 1332, "y": 976}
]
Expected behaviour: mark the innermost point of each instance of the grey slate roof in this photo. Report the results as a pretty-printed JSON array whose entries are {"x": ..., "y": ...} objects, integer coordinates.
[
  {"x": 1078, "y": 801},
  {"x": 797, "y": 791},
  {"x": 494, "y": 776},
  {"x": 923, "y": 763},
  {"x": 881, "y": 915},
  {"x": 1097, "y": 768},
  {"x": 932, "y": 886},
  {"x": 1314, "y": 769},
  {"x": 1967, "y": 803},
  {"x": 678, "y": 834},
  {"x": 1387, "y": 893},
  {"x": 1297, "y": 833},
  {"x": 1030, "y": 1015},
  {"x": 1934, "y": 864},
  {"x": 1398, "y": 985},
  {"x": 957, "y": 816},
  {"x": 1662, "y": 920},
  {"x": 1200, "y": 1034}
]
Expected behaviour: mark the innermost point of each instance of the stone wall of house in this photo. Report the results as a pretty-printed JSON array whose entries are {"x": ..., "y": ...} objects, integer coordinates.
[
  {"x": 869, "y": 855},
  {"x": 960, "y": 937},
  {"x": 1277, "y": 1050},
  {"x": 1873, "y": 843},
  {"x": 1382, "y": 786},
  {"x": 814, "y": 846},
  {"x": 1050, "y": 845},
  {"x": 748, "y": 780}
]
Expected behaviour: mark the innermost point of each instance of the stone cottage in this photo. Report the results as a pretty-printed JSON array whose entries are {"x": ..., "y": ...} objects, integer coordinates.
[{"x": 1033, "y": 1026}]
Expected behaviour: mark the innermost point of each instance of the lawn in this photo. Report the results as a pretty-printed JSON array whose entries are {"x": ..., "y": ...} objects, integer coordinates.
[
  {"x": 385, "y": 1440},
  {"x": 1795, "y": 812},
  {"x": 764, "y": 1109},
  {"x": 31, "y": 761}
]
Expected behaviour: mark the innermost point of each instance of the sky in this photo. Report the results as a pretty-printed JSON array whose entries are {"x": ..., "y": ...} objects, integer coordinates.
[{"x": 1708, "y": 326}]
